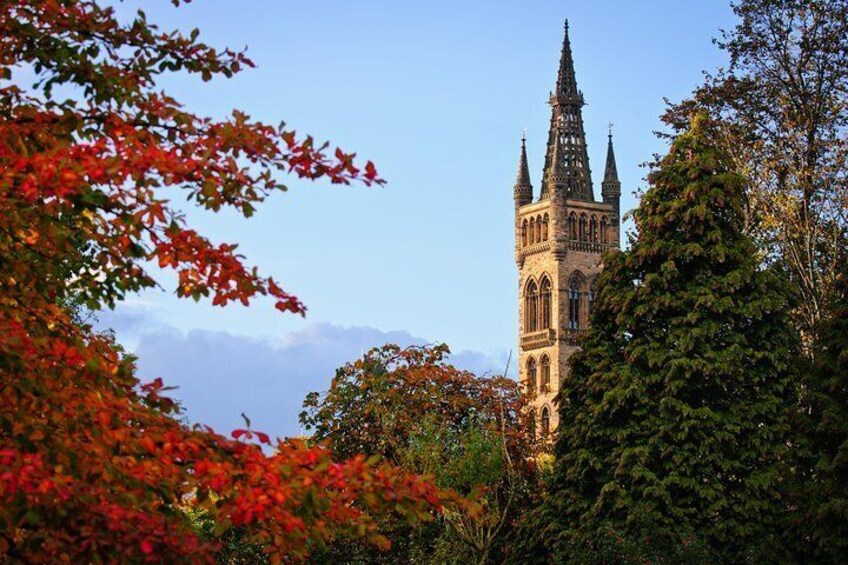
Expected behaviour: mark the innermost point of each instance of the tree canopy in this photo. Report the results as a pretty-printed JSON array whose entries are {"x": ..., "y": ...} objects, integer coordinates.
[
  {"x": 780, "y": 110},
  {"x": 674, "y": 415},
  {"x": 470, "y": 433}
]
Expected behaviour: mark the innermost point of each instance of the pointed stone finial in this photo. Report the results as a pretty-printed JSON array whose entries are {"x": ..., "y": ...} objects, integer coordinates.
[
  {"x": 610, "y": 171},
  {"x": 611, "y": 188},
  {"x": 523, "y": 187}
]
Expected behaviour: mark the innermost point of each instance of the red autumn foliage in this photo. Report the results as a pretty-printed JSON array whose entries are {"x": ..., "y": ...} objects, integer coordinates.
[{"x": 93, "y": 465}]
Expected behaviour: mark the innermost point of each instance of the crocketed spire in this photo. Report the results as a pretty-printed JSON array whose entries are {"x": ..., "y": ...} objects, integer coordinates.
[
  {"x": 566, "y": 80},
  {"x": 566, "y": 136}
]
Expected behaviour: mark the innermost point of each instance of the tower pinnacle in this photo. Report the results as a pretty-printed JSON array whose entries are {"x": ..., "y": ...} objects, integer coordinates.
[
  {"x": 556, "y": 179},
  {"x": 523, "y": 188},
  {"x": 611, "y": 187}
]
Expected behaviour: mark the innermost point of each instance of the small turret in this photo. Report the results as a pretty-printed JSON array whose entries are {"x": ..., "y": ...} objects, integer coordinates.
[
  {"x": 523, "y": 188},
  {"x": 611, "y": 187}
]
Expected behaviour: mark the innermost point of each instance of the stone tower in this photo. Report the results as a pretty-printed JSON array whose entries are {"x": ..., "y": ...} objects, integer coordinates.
[{"x": 559, "y": 242}]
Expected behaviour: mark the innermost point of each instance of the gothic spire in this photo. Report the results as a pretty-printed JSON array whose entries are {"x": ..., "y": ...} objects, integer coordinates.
[
  {"x": 610, "y": 171},
  {"x": 523, "y": 188},
  {"x": 566, "y": 137},
  {"x": 611, "y": 187},
  {"x": 566, "y": 80}
]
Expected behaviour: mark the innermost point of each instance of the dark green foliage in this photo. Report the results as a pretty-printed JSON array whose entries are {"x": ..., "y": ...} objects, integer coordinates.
[
  {"x": 674, "y": 417},
  {"x": 638, "y": 548},
  {"x": 413, "y": 545},
  {"x": 823, "y": 445}
]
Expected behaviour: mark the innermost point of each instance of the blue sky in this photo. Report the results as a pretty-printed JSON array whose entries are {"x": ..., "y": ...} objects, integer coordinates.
[{"x": 436, "y": 94}]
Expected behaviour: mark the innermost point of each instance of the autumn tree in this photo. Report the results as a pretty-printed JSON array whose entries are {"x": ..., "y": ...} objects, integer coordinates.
[
  {"x": 781, "y": 112},
  {"x": 414, "y": 409},
  {"x": 93, "y": 465},
  {"x": 674, "y": 413}
]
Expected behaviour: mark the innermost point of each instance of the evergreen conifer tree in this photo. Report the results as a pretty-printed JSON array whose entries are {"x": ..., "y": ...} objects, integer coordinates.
[{"x": 674, "y": 416}]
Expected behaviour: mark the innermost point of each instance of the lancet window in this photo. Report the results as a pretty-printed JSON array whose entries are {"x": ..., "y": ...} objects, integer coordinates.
[
  {"x": 531, "y": 375},
  {"x": 545, "y": 373},
  {"x": 545, "y": 303},
  {"x": 572, "y": 226},
  {"x": 575, "y": 289},
  {"x": 531, "y": 307}
]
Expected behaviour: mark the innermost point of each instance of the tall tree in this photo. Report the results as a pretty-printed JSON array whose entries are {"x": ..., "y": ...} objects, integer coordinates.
[
  {"x": 674, "y": 413},
  {"x": 94, "y": 467},
  {"x": 781, "y": 108}
]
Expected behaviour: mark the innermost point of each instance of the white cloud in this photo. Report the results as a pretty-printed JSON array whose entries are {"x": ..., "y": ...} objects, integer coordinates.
[{"x": 220, "y": 375}]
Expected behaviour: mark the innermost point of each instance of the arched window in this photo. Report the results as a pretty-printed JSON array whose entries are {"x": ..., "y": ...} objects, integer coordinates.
[
  {"x": 531, "y": 376},
  {"x": 538, "y": 228},
  {"x": 583, "y": 227},
  {"x": 572, "y": 226},
  {"x": 604, "y": 230},
  {"x": 532, "y": 424},
  {"x": 545, "y": 373},
  {"x": 593, "y": 290},
  {"x": 524, "y": 234},
  {"x": 532, "y": 231},
  {"x": 531, "y": 307},
  {"x": 545, "y": 228},
  {"x": 545, "y": 303},
  {"x": 546, "y": 421},
  {"x": 593, "y": 229},
  {"x": 574, "y": 292}
]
